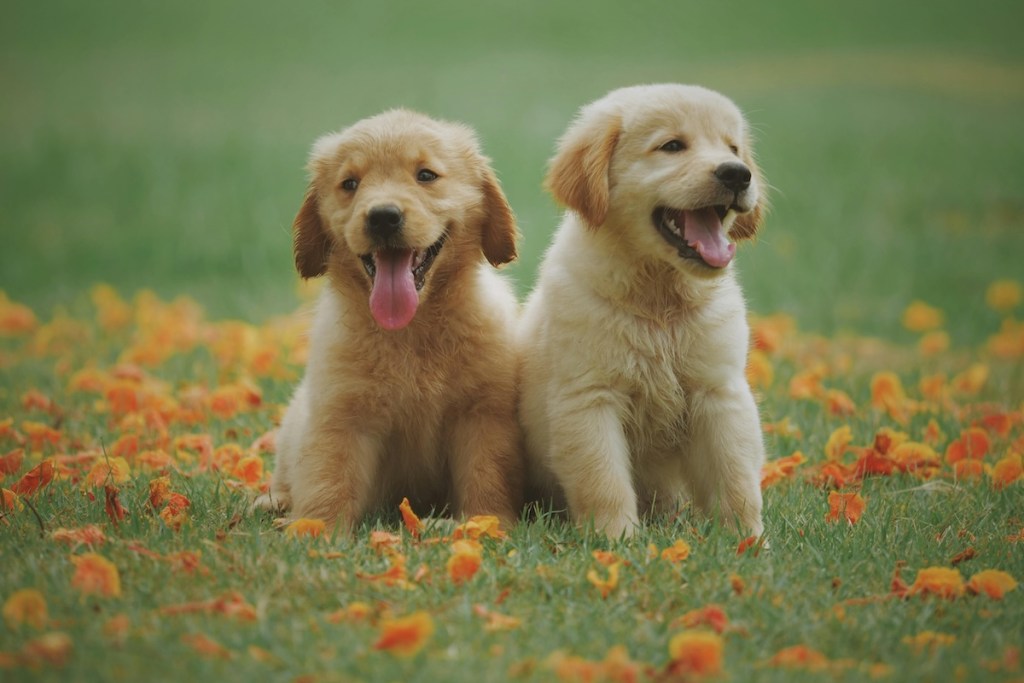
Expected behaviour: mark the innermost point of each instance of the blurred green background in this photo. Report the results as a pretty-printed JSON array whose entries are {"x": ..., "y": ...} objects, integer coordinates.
[{"x": 162, "y": 144}]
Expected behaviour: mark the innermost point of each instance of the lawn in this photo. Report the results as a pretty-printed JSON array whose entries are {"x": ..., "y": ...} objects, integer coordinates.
[{"x": 159, "y": 148}]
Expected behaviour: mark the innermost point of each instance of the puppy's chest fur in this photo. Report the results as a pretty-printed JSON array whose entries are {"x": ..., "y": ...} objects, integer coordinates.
[{"x": 664, "y": 370}]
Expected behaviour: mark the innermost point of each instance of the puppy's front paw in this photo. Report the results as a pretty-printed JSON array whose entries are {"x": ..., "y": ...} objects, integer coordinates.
[
  {"x": 271, "y": 502},
  {"x": 616, "y": 526}
]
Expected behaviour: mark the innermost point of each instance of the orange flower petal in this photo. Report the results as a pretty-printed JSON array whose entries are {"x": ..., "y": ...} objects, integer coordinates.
[
  {"x": 95, "y": 575},
  {"x": 696, "y": 652},
  {"x": 109, "y": 471},
  {"x": 1007, "y": 470},
  {"x": 405, "y": 636},
  {"x": 941, "y": 581},
  {"x": 711, "y": 616},
  {"x": 479, "y": 525},
  {"x": 973, "y": 443},
  {"x": 920, "y": 317},
  {"x": 837, "y": 442},
  {"x": 605, "y": 585},
  {"x": 305, "y": 527},
  {"x": 992, "y": 582},
  {"x": 25, "y": 606},
  {"x": 36, "y": 478},
  {"x": 849, "y": 506},
  {"x": 206, "y": 646},
  {"x": 465, "y": 560},
  {"x": 1004, "y": 295},
  {"x": 53, "y": 649},
  {"x": 90, "y": 535},
  {"x": 412, "y": 522},
  {"x": 677, "y": 552},
  {"x": 799, "y": 657}
]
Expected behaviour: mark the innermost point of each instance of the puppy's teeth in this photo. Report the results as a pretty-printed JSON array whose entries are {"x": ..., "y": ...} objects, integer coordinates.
[{"x": 671, "y": 225}]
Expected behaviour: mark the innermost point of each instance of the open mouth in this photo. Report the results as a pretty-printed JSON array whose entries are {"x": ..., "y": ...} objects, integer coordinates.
[
  {"x": 419, "y": 263},
  {"x": 398, "y": 274},
  {"x": 696, "y": 234}
]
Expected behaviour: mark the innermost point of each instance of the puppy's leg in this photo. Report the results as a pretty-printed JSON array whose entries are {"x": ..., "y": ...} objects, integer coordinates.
[
  {"x": 333, "y": 475},
  {"x": 289, "y": 440},
  {"x": 486, "y": 463},
  {"x": 590, "y": 457},
  {"x": 279, "y": 498},
  {"x": 725, "y": 455}
]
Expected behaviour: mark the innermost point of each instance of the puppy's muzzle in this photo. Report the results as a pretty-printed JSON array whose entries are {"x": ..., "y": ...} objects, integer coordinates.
[
  {"x": 383, "y": 222},
  {"x": 734, "y": 176}
]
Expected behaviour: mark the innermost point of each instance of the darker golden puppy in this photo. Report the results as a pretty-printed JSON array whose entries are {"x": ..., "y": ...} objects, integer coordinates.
[{"x": 410, "y": 388}]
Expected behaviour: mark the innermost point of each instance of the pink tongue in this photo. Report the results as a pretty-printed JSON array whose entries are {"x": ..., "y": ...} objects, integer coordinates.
[
  {"x": 702, "y": 230},
  {"x": 393, "y": 299}
]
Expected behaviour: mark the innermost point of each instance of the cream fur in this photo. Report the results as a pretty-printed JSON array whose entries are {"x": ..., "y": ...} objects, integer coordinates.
[{"x": 633, "y": 384}]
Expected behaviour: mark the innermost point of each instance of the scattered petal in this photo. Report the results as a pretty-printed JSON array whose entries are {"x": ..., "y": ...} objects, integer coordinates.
[
  {"x": 478, "y": 526},
  {"x": 206, "y": 646},
  {"x": 992, "y": 582},
  {"x": 36, "y": 478},
  {"x": 920, "y": 317},
  {"x": 677, "y": 552},
  {"x": 1003, "y": 296},
  {"x": 90, "y": 535},
  {"x": 303, "y": 527},
  {"x": 465, "y": 560},
  {"x": 849, "y": 506},
  {"x": 96, "y": 575},
  {"x": 405, "y": 636},
  {"x": 25, "y": 606},
  {"x": 605, "y": 585},
  {"x": 799, "y": 657},
  {"x": 52, "y": 649},
  {"x": 696, "y": 653},
  {"x": 412, "y": 522},
  {"x": 941, "y": 581},
  {"x": 709, "y": 616}
]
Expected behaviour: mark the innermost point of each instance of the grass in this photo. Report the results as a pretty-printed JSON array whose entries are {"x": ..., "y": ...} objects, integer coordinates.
[
  {"x": 822, "y": 585},
  {"x": 161, "y": 146},
  {"x": 158, "y": 146}
]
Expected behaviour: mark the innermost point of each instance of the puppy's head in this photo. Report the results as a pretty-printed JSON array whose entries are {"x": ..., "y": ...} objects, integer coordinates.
[
  {"x": 396, "y": 202},
  {"x": 671, "y": 166}
]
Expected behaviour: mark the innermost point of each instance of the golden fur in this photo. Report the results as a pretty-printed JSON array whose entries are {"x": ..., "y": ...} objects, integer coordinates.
[
  {"x": 426, "y": 410},
  {"x": 633, "y": 387}
]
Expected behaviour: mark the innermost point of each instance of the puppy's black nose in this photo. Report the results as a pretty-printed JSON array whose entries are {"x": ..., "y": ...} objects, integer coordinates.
[
  {"x": 384, "y": 221},
  {"x": 733, "y": 175}
]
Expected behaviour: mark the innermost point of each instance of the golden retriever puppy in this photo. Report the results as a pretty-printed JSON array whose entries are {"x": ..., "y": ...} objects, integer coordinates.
[
  {"x": 410, "y": 388},
  {"x": 634, "y": 342}
]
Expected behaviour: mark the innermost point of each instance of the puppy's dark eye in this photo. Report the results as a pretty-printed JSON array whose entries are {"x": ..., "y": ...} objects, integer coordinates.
[
  {"x": 735, "y": 149},
  {"x": 349, "y": 184},
  {"x": 425, "y": 175},
  {"x": 673, "y": 146}
]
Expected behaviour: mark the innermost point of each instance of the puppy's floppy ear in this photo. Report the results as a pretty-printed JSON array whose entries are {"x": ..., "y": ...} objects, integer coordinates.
[
  {"x": 747, "y": 224},
  {"x": 578, "y": 175},
  {"x": 312, "y": 240},
  {"x": 499, "y": 232}
]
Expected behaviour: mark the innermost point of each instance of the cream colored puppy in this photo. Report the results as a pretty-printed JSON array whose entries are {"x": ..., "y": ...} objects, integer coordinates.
[
  {"x": 410, "y": 389},
  {"x": 635, "y": 340}
]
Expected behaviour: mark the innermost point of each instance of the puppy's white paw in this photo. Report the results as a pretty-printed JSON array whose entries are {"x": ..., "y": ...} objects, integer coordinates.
[{"x": 270, "y": 502}]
